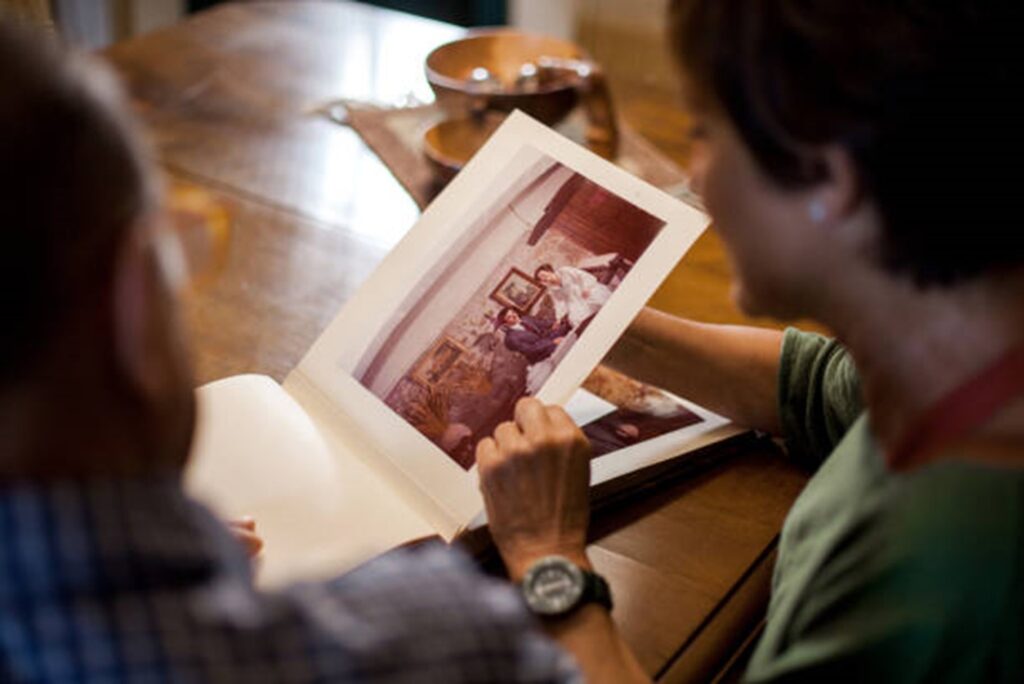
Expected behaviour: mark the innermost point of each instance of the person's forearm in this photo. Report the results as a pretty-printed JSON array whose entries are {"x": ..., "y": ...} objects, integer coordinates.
[
  {"x": 730, "y": 369},
  {"x": 592, "y": 638},
  {"x": 589, "y": 633}
]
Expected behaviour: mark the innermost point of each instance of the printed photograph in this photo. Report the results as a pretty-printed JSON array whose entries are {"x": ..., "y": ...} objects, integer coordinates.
[
  {"x": 642, "y": 412},
  {"x": 499, "y": 310}
]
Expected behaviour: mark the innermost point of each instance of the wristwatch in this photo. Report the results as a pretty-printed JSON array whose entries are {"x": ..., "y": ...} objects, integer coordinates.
[{"x": 555, "y": 586}]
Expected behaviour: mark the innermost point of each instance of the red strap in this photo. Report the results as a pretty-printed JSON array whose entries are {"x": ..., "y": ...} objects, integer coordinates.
[{"x": 962, "y": 410}]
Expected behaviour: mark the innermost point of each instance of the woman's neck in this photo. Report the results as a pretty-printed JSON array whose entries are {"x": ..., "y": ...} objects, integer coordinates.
[{"x": 913, "y": 347}]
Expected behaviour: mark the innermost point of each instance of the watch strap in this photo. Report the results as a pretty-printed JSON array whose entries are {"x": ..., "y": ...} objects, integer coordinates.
[{"x": 595, "y": 590}]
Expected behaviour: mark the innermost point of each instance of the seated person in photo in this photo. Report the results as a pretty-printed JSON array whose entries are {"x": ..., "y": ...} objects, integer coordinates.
[
  {"x": 576, "y": 294},
  {"x": 532, "y": 337},
  {"x": 476, "y": 412},
  {"x": 109, "y": 570}
]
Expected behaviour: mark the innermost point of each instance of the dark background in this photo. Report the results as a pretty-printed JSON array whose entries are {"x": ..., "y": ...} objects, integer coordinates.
[{"x": 461, "y": 12}]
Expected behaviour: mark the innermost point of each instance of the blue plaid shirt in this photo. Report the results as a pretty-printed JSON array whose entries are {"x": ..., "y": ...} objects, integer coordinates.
[{"x": 130, "y": 581}]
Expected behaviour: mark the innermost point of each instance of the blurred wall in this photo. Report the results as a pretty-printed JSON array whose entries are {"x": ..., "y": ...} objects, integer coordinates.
[
  {"x": 552, "y": 17},
  {"x": 33, "y": 11},
  {"x": 627, "y": 37},
  {"x": 98, "y": 23}
]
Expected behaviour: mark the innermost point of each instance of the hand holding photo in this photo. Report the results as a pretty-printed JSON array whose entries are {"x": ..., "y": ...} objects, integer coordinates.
[{"x": 515, "y": 282}]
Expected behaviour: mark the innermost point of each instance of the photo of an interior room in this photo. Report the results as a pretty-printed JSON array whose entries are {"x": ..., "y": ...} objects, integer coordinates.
[{"x": 496, "y": 315}]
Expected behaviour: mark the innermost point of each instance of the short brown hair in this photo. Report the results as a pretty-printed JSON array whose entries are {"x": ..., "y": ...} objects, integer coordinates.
[
  {"x": 500, "y": 320},
  {"x": 922, "y": 93},
  {"x": 543, "y": 267},
  {"x": 72, "y": 183}
]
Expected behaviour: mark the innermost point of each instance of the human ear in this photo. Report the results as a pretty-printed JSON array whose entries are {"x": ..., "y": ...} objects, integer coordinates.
[
  {"x": 837, "y": 195},
  {"x": 137, "y": 308},
  {"x": 150, "y": 354},
  {"x": 129, "y": 306},
  {"x": 817, "y": 212}
]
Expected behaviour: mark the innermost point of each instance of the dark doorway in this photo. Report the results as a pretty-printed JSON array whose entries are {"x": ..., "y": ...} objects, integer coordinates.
[{"x": 461, "y": 12}]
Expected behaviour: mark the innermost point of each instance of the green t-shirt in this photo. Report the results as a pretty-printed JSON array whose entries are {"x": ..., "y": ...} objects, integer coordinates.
[{"x": 885, "y": 576}]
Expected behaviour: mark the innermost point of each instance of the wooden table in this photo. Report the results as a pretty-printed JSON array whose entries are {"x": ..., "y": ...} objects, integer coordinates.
[{"x": 227, "y": 97}]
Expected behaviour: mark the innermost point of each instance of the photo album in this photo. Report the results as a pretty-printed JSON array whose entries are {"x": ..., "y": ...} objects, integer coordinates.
[{"x": 516, "y": 281}]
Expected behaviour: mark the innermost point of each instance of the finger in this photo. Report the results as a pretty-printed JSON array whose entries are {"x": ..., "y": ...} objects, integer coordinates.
[
  {"x": 493, "y": 486},
  {"x": 244, "y": 522},
  {"x": 250, "y": 541},
  {"x": 530, "y": 415},
  {"x": 508, "y": 437},
  {"x": 486, "y": 455},
  {"x": 562, "y": 422},
  {"x": 567, "y": 429},
  {"x": 558, "y": 416}
]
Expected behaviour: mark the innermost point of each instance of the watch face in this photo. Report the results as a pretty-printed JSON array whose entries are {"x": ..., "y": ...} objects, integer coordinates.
[{"x": 553, "y": 586}]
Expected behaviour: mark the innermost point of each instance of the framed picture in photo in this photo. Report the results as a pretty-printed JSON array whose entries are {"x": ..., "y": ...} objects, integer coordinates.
[
  {"x": 437, "y": 362},
  {"x": 518, "y": 290}
]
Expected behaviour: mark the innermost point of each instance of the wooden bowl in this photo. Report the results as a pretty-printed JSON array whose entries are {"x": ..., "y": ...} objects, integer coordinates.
[
  {"x": 502, "y": 53},
  {"x": 450, "y": 143}
]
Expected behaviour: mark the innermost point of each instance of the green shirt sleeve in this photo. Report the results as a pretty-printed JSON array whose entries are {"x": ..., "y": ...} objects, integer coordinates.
[{"x": 819, "y": 395}]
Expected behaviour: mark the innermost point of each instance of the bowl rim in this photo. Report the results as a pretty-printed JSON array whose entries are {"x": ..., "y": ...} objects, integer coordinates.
[
  {"x": 460, "y": 85},
  {"x": 444, "y": 159}
]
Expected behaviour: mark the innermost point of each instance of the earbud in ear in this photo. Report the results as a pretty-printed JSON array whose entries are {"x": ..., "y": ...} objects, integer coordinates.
[{"x": 816, "y": 211}]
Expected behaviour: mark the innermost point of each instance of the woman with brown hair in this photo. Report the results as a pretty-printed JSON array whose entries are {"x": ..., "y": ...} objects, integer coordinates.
[{"x": 849, "y": 154}]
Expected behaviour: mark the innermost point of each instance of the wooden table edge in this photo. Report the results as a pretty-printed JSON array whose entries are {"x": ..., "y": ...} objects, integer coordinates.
[{"x": 728, "y": 632}]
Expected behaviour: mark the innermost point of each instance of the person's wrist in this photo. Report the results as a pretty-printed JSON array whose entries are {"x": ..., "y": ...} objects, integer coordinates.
[{"x": 518, "y": 562}]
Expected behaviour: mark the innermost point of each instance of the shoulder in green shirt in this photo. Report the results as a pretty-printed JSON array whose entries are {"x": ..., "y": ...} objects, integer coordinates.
[{"x": 886, "y": 576}]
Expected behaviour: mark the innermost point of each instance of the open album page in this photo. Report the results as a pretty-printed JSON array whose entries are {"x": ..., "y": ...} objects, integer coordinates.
[
  {"x": 515, "y": 282},
  {"x": 319, "y": 509}
]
